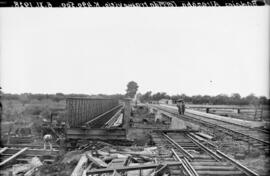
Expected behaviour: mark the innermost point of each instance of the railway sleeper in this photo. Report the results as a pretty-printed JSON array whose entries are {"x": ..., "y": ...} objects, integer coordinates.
[
  {"x": 215, "y": 168},
  {"x": 220, "y": 173},
  {"x": 209, "y": 163}
]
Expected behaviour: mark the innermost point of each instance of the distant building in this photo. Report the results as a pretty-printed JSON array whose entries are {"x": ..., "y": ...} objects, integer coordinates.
[{"x": 165, "y": 101}]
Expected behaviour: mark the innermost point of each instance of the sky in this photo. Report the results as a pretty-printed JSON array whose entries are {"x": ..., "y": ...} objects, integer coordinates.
[{"x": 194, "y": 51}]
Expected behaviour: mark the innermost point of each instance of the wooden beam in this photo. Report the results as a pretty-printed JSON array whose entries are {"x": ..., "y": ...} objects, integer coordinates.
[
  {"x": 96, "y": 161},
  {"x": 13, "y": 156},
  {"x": 176, "y": 130},
  {"x": 78, "y": 171},
  {"x": 30, "y": 146},
  {"x": 160, "y": 170},
  {"x": 30, "y": 152},
  {"x": 115, "y": 173},
  {"x": 130, "y": 168}
]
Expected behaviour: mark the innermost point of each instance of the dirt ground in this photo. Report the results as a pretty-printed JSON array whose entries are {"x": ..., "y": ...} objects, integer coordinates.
[{"x": 253, "y": 158}]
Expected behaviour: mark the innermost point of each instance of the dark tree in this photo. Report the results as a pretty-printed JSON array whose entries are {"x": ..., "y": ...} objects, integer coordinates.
[
  {"x": 146, "y": 96},
  {"x": 132, "y": 88}
]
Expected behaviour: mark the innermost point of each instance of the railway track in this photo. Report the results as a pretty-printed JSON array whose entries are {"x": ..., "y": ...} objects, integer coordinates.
[
  {"x": 13, "y": 154},
  {"x": 254, "y": 137},
  {"x": 196, "y": 158}
]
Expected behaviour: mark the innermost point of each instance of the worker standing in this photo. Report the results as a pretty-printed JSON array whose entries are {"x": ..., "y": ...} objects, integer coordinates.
[
  {"x": 183, "y": 107},
  {"x": 47, "y": 141},
  {"x": 179, "y": 106}
]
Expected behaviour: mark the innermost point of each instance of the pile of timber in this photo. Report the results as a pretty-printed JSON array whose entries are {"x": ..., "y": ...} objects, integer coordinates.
[{"x": 26, "y": 161}]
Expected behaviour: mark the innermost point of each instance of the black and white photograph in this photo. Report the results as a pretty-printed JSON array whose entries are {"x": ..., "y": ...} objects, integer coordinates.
[{"x": 137, "y": 89}]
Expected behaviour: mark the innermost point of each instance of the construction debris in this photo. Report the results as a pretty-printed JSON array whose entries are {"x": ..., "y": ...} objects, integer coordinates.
[
  {"x": 96, "y": 160},
  {"x": 27, "y": 169},
  {"x": 80, "y": 166}
]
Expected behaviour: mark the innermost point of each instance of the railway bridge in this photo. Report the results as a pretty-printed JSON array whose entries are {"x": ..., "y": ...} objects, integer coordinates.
[{"x": 102, "y": 119}]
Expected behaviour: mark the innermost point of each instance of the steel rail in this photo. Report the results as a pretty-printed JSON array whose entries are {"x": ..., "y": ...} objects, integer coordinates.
[
  {"x": 190, "y": 166},
  {"x": 214, "y": 119},
  {"x": 246, "y": 127},
  {"x": 210, "y": 152},
  {"x": 188, "y": 155},
  {"x": 216, "y": 155},
  {"x": 208, "y": 143},
  {"x": 103, "y": 114},
  {"x": 216, "y": 125},
  {"x": 183, "y": 164},
  {"x": 234, "y": 131},
  {"x": 110, "y": 122},
  {"x": 238, "y": 165}
]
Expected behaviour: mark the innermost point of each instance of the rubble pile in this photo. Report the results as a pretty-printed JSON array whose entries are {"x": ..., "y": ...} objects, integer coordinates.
[{"x": 92, "y": 156}]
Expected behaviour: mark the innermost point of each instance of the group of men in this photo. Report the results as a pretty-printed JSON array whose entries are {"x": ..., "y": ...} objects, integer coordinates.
[{"x": 180, "y": 106}]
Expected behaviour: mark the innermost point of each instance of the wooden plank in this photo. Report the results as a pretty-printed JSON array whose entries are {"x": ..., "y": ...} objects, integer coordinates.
[
  {"x": 130, "y": 168},
  {"x": 78, "y": 171},
  {"x": 31, "y": 152},
  {"x": 97, "y": 161},
  {"x": 35, "y": 162},
  {"x": 118, "y": 162},
  {"x": 13, "y": 156},
  {"x": 30, "y": 146},
  {"x": 205, "y": 135}
]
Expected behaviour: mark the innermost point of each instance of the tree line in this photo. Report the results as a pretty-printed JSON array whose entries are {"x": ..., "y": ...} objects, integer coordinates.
[
  {"x": 131, "y": 92},
  {"x": 221, "y": 99},
  {"x": 27, "y": 97}
]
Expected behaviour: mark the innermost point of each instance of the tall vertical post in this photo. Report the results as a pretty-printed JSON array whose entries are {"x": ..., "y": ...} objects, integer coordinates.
[{"x": 127, "y": 112}]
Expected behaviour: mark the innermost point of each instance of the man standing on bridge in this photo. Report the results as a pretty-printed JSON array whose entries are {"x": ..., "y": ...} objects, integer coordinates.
[
  {"x": 179, "y": 106},
  {"x": 183, "y": 107}
]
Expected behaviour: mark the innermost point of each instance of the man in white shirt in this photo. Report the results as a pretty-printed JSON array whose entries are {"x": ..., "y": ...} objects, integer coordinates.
[{"x": 47, "y": 141}]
